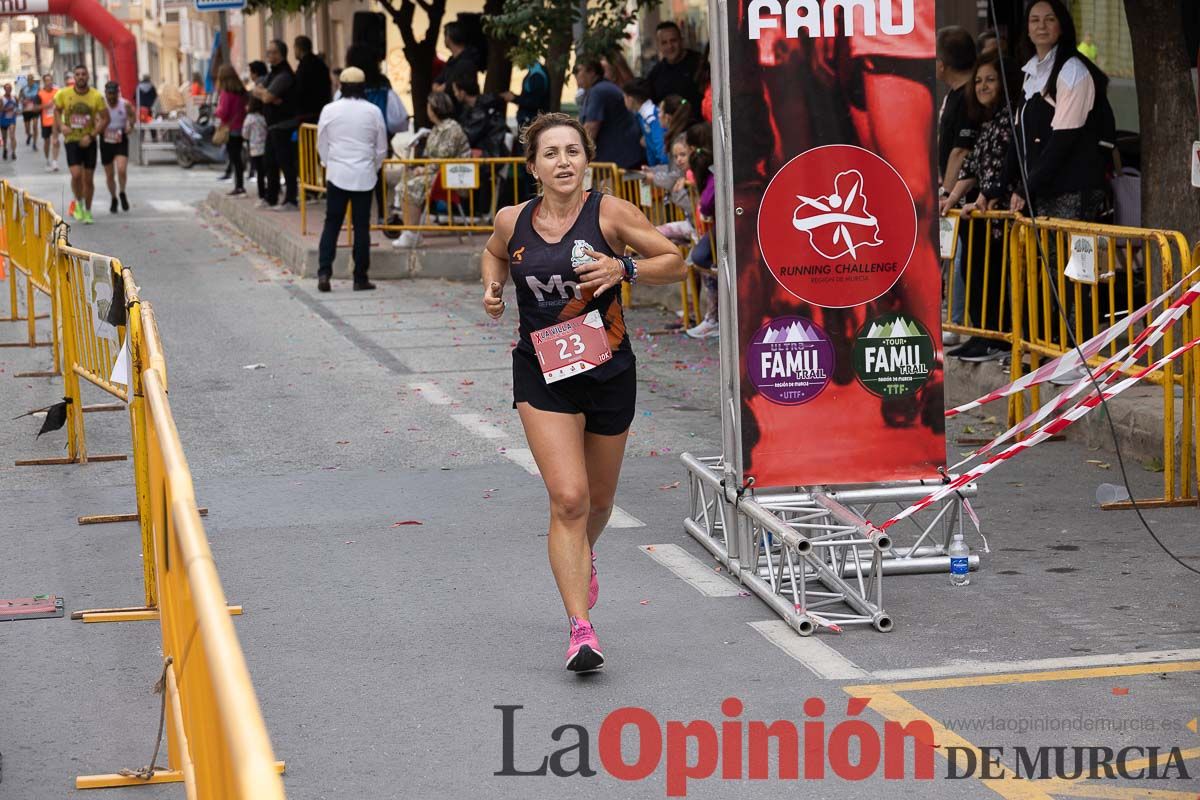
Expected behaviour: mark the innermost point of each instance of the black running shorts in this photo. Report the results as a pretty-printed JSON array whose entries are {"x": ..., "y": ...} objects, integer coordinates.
[
  {"x": 607, "y": 406},
  {"x": 85, "y": 156},
  {"x": 47, "y": 131},
  {"x": 109, "y": 151}
]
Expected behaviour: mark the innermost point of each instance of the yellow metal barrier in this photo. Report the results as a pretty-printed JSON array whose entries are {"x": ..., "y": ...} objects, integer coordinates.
[
  {"x": 471, "y": 189},
  {"x": 217, "y": 742},
  {"x": 981, "y": 240},
  {"x": 84, "y": 284},
  {"x": 310, "y": 173},
  {"x": 28, "y": 252},
  {"x": 1130, "y": 267}
]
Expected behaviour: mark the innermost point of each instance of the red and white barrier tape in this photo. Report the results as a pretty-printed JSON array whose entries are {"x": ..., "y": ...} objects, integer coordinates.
[
  {"x": 1042, "y": 434},
  {"x": 1104, "y": 374},
  {"x": 1071, "y": 359}
]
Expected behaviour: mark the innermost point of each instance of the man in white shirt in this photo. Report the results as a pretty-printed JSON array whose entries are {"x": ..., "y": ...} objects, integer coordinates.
[{"x": 352, "y": 144}]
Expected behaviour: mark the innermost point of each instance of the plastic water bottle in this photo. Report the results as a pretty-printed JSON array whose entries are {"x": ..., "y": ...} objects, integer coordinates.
[{"x": 960, "y": 566}]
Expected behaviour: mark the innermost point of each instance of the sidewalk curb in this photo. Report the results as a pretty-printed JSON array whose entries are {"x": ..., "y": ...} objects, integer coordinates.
[{"x": 458, "y": 262}]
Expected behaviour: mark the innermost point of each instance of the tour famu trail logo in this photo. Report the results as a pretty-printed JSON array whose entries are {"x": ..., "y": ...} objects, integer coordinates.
[
  {"x": 790, "y": 360},
  {"x": 838, "y": 224},
  {"x": 893, "y": 355}
]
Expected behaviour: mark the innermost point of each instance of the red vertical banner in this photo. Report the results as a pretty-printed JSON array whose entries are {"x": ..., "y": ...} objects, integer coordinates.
[{"x": 835, "y": 219}]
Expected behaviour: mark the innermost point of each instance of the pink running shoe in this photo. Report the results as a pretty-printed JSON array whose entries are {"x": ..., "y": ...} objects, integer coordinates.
[
  {"x": 594, "y": 586},
  {"x": 583, "y": 653}
]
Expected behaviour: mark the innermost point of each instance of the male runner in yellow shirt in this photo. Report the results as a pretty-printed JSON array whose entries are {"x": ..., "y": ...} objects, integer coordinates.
[{"x": 80, "y": 114}]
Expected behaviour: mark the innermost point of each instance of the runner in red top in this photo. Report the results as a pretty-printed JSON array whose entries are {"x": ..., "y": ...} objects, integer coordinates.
[{"x": 564, "y": 251}]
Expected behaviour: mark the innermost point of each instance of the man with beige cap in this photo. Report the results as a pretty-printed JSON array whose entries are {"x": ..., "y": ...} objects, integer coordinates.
[{"x": 352, "y": 143}]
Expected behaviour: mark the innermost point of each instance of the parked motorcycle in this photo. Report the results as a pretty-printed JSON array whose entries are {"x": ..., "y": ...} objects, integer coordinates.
[{"x": 194, "y": 144}]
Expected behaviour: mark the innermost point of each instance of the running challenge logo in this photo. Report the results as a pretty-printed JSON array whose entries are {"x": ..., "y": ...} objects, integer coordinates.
[
  {"x": 837, "y": 226},
  {"x": 633, "y": 745}
]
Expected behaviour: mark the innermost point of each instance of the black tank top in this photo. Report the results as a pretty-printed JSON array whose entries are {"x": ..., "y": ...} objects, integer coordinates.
[{"x": 548, "y": 287}]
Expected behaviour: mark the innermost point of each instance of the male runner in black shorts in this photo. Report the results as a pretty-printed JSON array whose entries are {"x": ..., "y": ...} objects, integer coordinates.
[{"x": 80, "y": 114}]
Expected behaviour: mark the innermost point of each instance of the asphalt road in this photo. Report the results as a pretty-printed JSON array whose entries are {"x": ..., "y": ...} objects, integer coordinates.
[{"x": 380, "y": 652}]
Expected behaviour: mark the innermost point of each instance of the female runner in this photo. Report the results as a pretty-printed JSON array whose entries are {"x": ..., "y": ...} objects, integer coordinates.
[{"x": 564, "y": 251}]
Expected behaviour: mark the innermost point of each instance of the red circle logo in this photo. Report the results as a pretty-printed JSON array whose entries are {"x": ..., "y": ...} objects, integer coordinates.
[{"x": 837, "y": 226}]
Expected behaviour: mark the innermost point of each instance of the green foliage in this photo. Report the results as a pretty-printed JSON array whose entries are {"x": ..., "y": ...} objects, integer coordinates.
[
  {"x": 281, "y": 6},
  {"x": 537, "y": 26},
  {"x": 5, "y": 63}
]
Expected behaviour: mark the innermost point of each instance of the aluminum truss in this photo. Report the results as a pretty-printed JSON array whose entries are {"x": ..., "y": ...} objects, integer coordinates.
[{"x": 812, "y": 555}]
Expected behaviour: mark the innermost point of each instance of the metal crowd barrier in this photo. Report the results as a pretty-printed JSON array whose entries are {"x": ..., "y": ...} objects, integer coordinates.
[
  {"x": 27, "y": 225},
  {"x": 310, "y": 172},
  {"x": 461, "y": 195},
  {"x": 1116, "y": 271},
  {"x": 217, "y": 743},
  {"x": 980, "y": 242}
]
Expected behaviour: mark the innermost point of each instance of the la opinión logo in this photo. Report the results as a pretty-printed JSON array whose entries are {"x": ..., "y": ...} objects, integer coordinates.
[
  {"x": 735, "y": 748},
  {"x": 732, "y": 748}
]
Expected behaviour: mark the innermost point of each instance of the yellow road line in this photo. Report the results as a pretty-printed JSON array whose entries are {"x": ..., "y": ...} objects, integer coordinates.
[
  {"x": 894, "y": 707},
  {"x": 1027, "y": 677},
  {"x": 1065, "y": 789},
  {"x": 1081, "y": 788}
]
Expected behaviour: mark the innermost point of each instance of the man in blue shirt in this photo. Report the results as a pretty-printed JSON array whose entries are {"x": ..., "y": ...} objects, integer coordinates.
[{"x": 611, "y": 125}]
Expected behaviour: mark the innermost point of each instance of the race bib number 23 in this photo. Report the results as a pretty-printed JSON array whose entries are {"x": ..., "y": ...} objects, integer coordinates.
[{"x": 572, "y": 347}]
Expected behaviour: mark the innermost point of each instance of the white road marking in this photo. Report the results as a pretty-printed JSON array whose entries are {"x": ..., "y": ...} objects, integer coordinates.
[
  {"x": 168, "y": 206},
  {"x": 820, "y": 659},
  {"x": 959, "y": 668},
  {"x": 523, "y": 458},
  {"x": 692, "y": 570},
  {"x": 623, "y": 519},
  {"x": 432, "y": 393},
  {"x": 478, "y": 425}
]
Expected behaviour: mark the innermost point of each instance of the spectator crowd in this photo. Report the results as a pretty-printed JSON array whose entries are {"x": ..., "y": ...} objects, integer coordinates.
[
  {"x": 1035, "y": 134},
  {"x": 656, "y": 128}
]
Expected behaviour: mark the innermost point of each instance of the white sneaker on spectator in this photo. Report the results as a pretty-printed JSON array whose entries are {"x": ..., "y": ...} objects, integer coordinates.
[
  {"x": 705, "y": 330},
  {"x": 286, "y": 207},
  {"x": 408, "y": 239},
  {"x": 260, "y": 203},
  {"x": 949, "y": 338}
]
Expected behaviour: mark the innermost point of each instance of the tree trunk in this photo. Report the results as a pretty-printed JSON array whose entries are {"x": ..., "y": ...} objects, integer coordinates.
[
  {"x": 558, "y": 57},
  {"x": 499, "y": 67},
  {"x": 420, "y": 55},
  {"x": 1166, "y": 114}
]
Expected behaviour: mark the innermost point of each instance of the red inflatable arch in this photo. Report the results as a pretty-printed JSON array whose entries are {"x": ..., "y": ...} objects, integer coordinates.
[{"x": 95, "y": 19}]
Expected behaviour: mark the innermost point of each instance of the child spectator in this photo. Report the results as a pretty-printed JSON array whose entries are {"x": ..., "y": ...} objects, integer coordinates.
[
  {"x": 637, "y": 100},
  {"x": 254, "y": 132}
]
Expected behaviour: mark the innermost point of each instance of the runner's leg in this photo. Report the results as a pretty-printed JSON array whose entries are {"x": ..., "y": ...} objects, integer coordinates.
[
  {"x": 89, "y": 186},
  {"x": 76, "y": 181},
  {"x": 557, "y": 442},
  {"x": 122, "y": 165},
  {"x": 603, "y": 456},
  {"x": 109, "y": 179}
]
